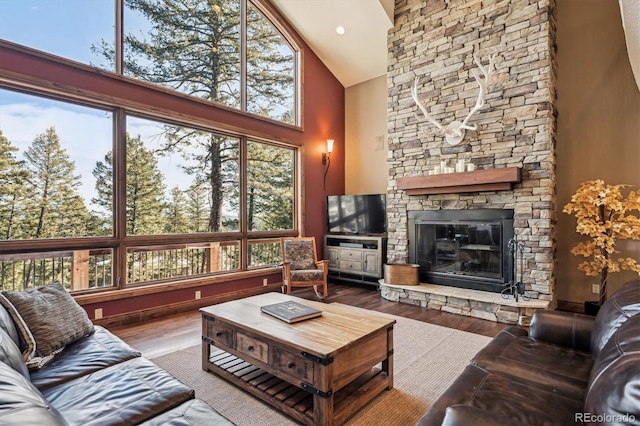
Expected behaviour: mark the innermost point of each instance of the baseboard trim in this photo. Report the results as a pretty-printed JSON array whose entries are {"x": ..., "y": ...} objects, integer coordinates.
[{"x": 174, "y": 308}]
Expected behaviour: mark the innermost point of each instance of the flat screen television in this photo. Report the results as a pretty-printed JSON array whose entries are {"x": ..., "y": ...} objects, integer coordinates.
[{"x": 357, "y": 214}]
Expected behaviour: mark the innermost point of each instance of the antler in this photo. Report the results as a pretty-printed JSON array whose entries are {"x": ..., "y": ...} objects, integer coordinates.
[
  {"x": 414, "y": 95},
  {"x": 454, "y": 132},
  {"x": 483, "y": 89}
]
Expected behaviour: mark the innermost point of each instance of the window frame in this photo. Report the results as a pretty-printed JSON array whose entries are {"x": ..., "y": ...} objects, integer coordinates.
[{"x": 119, "y": 108}]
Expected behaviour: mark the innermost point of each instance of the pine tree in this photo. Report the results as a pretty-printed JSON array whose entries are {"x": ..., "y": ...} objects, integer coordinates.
[
  {"x": 176, "y": 213},
  {"x": 194, "y": 47},
  {"x": 103, "y": 172},
  {"x": 269, "y": 187},
  {"x": 198, "y": 207},
  {"x": 270, "y": 70},
  {"x": 54, "y": 208},
  {"x": 13, "y": 175},
  {"x": 144, "y": 188}
]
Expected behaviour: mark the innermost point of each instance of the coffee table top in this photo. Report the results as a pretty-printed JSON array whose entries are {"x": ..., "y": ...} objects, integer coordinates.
[{"x": 339, "y": 327}]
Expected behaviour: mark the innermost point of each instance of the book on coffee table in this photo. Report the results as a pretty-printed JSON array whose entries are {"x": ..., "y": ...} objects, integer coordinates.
[{"x": 291, "y": 311}]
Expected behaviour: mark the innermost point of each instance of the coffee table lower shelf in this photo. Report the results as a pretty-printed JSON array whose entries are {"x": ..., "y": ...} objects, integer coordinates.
[{"x": 290, "y": 398}]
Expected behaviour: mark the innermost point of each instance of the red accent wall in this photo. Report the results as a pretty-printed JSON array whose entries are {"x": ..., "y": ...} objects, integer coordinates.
[{"x": 323, "y": 112}]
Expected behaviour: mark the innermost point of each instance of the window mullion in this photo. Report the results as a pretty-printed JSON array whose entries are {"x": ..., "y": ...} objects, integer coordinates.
[
  {"x": 244, "y": 222},
  {"x": 119, "y": 36},
  {"x": 119, "y": 197},
  {"x": 243, "y": 55}
]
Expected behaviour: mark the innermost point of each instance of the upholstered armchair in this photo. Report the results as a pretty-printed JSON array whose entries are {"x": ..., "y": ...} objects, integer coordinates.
[{"x": 301, "y": 267}]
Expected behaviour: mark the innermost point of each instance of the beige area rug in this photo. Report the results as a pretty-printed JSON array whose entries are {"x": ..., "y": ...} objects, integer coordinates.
[{"x": 427, "y": 358}]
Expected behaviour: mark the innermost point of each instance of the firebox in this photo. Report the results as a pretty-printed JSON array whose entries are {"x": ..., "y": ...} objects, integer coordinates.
[{"x": 462, "y": 248}]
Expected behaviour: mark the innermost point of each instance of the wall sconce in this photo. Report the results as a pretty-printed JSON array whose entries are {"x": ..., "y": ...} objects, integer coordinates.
[
  {"x": 326, "y": 155},
  {"x": 326, "y": 159}
]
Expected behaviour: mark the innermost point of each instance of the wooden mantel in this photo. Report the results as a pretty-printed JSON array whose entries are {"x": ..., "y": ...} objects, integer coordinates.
[{"x": 451, "y": 183}]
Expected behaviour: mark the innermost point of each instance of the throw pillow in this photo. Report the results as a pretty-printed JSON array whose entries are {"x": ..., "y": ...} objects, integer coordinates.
[{"x": 52, "y": 316}]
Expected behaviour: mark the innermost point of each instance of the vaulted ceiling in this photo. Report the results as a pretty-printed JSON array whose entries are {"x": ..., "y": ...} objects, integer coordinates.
[{"x": 359, "y": 54}]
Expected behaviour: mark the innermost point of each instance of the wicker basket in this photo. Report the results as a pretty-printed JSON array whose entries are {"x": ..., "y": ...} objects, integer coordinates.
[{"x": 401, "y": 273}]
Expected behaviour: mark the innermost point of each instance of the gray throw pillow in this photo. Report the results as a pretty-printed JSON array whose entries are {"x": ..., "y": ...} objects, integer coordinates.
[{"x": 52, "y": 316}]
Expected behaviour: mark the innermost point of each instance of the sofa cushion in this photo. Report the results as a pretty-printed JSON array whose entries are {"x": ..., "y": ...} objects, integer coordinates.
[
  {"x": 621, "y": 306},
  {"x": 124, "y": 394},
  {"x": 99, "y": 350},
  {"x": 25, "y": 341},
  {"x": 10, "y": 354},
  {"x": 21, "y": 404},
  {"x": 503, "y": 398},
  {"x": 614, "y": 386},
  {"x": 568, "y": 329},
  {"x": 193, "y": 412},
  {"x": 52, "y": 316},
  {"x": 467, "y": 415},
  {"x": 6, "y": 322},
  {"x": 555, "y": 368}
]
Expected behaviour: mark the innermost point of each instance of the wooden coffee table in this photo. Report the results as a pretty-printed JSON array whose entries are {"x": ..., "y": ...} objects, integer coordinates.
[{"x": 319, "y": 371}]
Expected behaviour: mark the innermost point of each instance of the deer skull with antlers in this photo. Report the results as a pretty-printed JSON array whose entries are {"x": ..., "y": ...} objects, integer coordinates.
[{"x": 454, "y": 132}]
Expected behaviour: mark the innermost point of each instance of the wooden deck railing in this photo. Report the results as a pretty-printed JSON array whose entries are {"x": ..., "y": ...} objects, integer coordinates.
[{"x": 90, "y": 269}]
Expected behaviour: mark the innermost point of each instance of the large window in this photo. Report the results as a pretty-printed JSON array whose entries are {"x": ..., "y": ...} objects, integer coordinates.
[
  {"x": 91, "y": 208},
  {"x": 47, "y": 152},
  {"x": 100, "y": 189},
  {"x": 180, "y": 180},
  {"x": 223, "y": 51}
]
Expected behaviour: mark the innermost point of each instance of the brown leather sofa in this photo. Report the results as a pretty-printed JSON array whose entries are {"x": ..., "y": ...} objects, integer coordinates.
[
  {"x": 97, "y": 380},
  {"x": 568, "y": 369}
]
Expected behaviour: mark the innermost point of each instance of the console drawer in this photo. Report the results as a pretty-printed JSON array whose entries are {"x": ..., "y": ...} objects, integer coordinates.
[
  {"x": 346, "y": 254},
  {"x": 351, "y": 266},
  {"x": 292, "y": 364},
  {"x": 253, "y": 347}
]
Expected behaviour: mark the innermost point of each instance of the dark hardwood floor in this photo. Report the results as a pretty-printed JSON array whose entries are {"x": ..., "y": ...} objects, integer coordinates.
[{"x": 167, "y": 334}]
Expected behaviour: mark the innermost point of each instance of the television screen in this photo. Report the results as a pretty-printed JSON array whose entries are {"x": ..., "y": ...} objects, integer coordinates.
[{"x": 357, "y": 214}]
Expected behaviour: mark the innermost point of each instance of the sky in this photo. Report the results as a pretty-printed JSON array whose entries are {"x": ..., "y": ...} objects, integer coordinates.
[{"x": 68, "y": 28}]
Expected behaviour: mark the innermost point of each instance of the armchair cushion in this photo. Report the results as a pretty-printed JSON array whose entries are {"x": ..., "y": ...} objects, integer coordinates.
[
  {"x": 307, "y": 275},
  {"x": 299, "y": 253}
]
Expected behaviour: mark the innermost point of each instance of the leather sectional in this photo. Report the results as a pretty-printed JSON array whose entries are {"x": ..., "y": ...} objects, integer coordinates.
[
  {"x": 567, "y": 369},
  {"x": 97, "y": 380}
]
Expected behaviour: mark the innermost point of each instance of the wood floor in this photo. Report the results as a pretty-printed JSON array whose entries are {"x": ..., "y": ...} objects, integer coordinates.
[{"x": 163, "y": 335}]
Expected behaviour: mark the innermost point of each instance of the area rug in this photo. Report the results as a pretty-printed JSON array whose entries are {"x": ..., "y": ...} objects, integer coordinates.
[{"x": 427, "y": 358}]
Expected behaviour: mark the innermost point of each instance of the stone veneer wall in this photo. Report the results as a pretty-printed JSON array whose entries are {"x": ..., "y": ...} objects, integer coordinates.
[{"x": 435, "y": 39}]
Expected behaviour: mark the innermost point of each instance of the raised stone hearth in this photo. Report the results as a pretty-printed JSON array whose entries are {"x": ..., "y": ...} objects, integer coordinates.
[{"x": 474, "y": 303}]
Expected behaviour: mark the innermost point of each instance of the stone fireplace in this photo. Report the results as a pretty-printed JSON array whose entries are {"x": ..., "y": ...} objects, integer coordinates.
[{"x": 516, "y": 132}]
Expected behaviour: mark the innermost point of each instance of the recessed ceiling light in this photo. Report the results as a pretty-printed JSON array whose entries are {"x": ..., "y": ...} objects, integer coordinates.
[{"x": 340, "y": 29}]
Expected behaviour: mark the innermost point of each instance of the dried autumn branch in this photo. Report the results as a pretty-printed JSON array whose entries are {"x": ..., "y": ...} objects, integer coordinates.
[{"x": 605, "y": 216}]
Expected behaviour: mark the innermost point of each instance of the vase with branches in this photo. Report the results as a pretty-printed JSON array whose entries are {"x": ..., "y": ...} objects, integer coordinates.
[{"x": 605, "y": 216}]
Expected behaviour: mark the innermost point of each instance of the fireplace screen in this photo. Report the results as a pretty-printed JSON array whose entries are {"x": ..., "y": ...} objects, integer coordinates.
[{"x": 462, "y": 248}]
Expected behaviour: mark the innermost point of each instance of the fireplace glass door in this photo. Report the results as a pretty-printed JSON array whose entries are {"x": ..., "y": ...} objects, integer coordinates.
[{"x": 462, "y": 248}]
